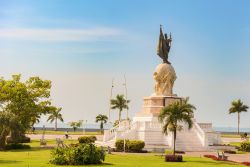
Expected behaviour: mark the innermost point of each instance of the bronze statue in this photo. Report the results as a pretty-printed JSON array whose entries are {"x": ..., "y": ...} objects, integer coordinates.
[{"x": 164, "y": 45}]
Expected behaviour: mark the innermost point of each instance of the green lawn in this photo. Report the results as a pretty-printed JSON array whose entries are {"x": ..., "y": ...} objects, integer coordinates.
[
  {"x": 36, "y": 143},
  {"x": 230, "y": 135},
  {"x": 40, "y": 158},
  {"x": 62, "y": 132}
]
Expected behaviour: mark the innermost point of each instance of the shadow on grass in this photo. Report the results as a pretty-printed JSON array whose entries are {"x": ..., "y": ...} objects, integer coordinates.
[
  {"x": 103, "y": 164},
  {"x": 28, "y": 150},
  {"x": 218, "y": 163},
  {"x": 9, "y": 162}
]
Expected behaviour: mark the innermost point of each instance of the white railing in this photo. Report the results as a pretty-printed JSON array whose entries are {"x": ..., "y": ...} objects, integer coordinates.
[
  {"x": 214, "y": 138},
  {"x": 207, "y": 127},
  {"x": 118, "y": 131},
  {"x": 110, "y": 134},
  {"x": 201, "y": 134}
]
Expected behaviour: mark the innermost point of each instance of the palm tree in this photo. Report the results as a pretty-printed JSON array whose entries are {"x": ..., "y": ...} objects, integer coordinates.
[
  {"x": 237, "y": 106},
  {"x": 119, "y": 103},
  {"x": 54, "y": 115},
  {"x": 76, "y": 125},
  {"x": 103, "y": 119},
  {"x": 172, "y": 115}
]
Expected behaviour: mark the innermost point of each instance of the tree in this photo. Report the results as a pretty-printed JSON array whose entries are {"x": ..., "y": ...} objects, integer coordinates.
[
  {"x": 25, "y": 101},
  {"x": 7, "y": 122},
  {"x": 119, "y": 103},
  {"x": 75, "y": 125},
  {"x": 237, "y": 106},
  {"x": 173, "y": 114},
  {"x": 54, "y": 116},
  {"x": 102, "y": 119}
]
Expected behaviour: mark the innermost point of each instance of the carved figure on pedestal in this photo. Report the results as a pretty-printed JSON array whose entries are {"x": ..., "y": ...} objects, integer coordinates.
[
  {"x": 164, "y": 74},
  {"x": 164, "y": 77}
]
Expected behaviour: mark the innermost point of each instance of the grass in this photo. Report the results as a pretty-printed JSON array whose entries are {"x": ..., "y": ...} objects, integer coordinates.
[
  {"x": 40, "y": 158},
  {"x": 52, "y": 132},
  {"x": 230, "y": 135},
  {"x": 36, "y": 143},
  {"x": 237, "y": 144}
]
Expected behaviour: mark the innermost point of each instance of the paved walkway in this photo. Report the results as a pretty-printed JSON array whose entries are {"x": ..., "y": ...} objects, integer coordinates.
[
  {"x": 231, "y": 157},
  {"x": 228, "y": 140},
  {"x": 54, "y": 136}
]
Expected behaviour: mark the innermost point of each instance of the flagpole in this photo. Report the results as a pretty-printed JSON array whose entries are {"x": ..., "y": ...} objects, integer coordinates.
[{"x": 111, "y": 93}]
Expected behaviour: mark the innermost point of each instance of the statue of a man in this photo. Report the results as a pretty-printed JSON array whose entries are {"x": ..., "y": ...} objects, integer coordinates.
[{"x": 164, "y": 45}]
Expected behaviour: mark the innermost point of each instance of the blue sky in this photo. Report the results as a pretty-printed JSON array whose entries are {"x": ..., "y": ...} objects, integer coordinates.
[{"x": 82, "y": 45}]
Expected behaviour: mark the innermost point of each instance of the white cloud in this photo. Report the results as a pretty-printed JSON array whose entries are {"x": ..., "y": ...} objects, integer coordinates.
[{"x": 61, "y": 35}]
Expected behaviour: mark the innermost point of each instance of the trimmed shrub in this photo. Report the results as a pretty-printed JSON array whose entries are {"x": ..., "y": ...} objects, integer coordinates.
[
  {"x": 245, "y": 146},
  {"x": 119, "y": 145},
  {"x": 77, "y": 155},
  {"x": 179, "y": 152},
  {"x": 87, "y": 139},
  {"x": 230, "y": 152},
  {"x": 14, "y": 146},
  {"x": 173, "y": 158},
  {"x": 135, "y": 145},
  {"x": 130, "y": 145}
]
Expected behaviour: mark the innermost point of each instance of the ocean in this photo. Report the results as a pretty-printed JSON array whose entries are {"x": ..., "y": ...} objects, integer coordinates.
[{"x": 95, "y": 126}]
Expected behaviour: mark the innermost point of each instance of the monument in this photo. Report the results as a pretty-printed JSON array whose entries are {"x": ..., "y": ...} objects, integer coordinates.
[
  {"x": 145, "y": 125},
  {"x": 164, "y": 76}
]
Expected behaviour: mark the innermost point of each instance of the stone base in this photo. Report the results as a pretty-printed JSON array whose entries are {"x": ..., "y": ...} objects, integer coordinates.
[
  {"x": 149, "y": 130},
  {"x": 153, "y": 104}
]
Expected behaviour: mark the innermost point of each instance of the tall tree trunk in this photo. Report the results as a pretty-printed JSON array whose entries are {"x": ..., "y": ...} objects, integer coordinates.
[
  {"x": 174, "y": 140},
  {"x": 101, "y": 127},
  {"x": 3, "y": 138},
  {"x": 120, "y": 112},
  {"x": 238, "y": 123},
  {"x": 56, "y": 124}
]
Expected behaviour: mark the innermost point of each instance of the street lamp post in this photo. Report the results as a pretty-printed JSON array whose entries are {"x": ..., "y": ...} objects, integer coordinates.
[
  {"x": 83, "y": 125},
  {"x": 126, "y": 92},
  {"x": 111, "y": 93}
]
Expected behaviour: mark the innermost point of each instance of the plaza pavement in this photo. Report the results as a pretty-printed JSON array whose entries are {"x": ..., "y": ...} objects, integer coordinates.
[{"x": 226, "y": 140}]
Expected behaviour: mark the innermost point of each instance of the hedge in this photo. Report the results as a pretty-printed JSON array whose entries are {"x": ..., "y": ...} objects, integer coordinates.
[
  {"x": 245, "y": 146},
  {"x": 173, "y": 158},
  {"x": 130, "y": 145},
  {"x": 87, "y": 139}
]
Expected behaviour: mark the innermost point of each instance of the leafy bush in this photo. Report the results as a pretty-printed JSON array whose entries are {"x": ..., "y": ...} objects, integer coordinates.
[
  {"x": 130, "y": 145},
  {"x": 15, "y": 146},
  {"x": 77, "y": 155},
  {"x": 245, "y": 146},
  {"x": 87, "y": 139},
  {"x": 173, "y": 158}
]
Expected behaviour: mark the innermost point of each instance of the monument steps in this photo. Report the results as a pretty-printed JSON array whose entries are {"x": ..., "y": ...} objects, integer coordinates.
[{"x": 188, "y": 141}]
